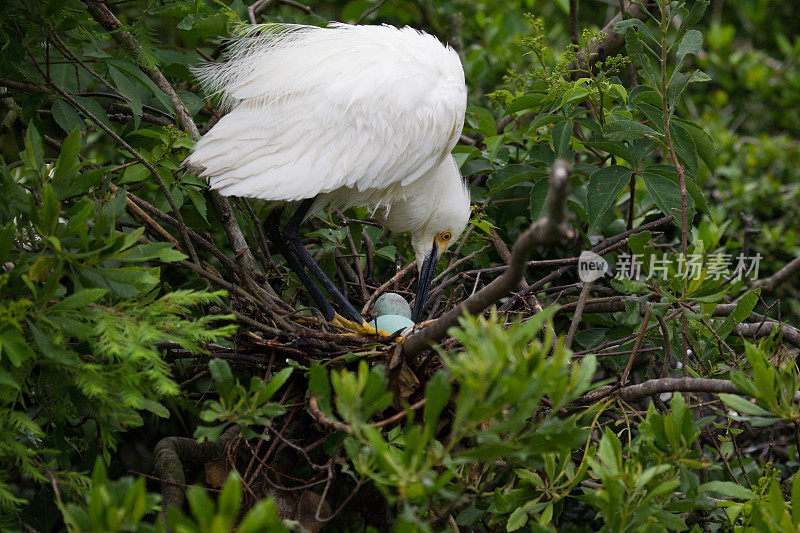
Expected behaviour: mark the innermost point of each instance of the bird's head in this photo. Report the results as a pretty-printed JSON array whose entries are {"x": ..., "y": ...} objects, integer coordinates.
[{"x": 442, "y": 230}]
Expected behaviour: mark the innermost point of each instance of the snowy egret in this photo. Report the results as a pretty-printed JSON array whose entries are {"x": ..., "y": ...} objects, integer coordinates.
[{"x": 341, "y": 116}]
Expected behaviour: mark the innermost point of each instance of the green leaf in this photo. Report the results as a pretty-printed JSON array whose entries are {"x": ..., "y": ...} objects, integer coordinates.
[
  {"x": 51, "y": 209},
  {"x": 437, "y": 394},
  {"x": 538, "y": 202},
  {"x": 33, "y": 147},
  {"x": 79, "y": 300},
  {"x": 698, "y": 76},
  {"x": 136, "y": 172},
  {"x": 638, "y": 27},
  {"x": 737, "y": 403},
  {"x": 95, "y": 109},
  {"x": 628, "y": 130},
  {"x": 276, "y": 382},
  {"x": 219, "y": 369},
  {"x": 728, "y": 488},
  {"x": 677, "y": 84},
  {"x": 163, "y": 251},
  {"x": 517, "y": 519},
  {"x": 154, "y": 407},
  {"x": 66, "y": 116},
  {"x": 524, "y": 102},
  {"x": 693, "y": 17},
  {"x": 142, "y": 78},
  {"x": 667, "y": 195},
  {"x": 7, "y": 236},
  {"x": 388, "y": 252},
  {"x": 201, "y": 505},
  {"x": 230, "y": 499},
  {"x": 684, "y": 148},
  {"x": 562, "y": 147},
  {"x": 128, "y": 89},
  {"x": 690, "y": 44},
  {"x": 68, "y": 158},
  {"x": 795, "y": 500},
  {"x": 6, "y": 380},
  {"x": 741, "y": 312},
  {"x": 198, "y": 200},
  {"x": 14, "y": 346},
  {"x": 703, "y": 143},
  {"x": 482, "y": 120},
  {"x": 605, "y": 184},
  {"x": 671, "y": 521},
  {"x": 614, "y": 148}
]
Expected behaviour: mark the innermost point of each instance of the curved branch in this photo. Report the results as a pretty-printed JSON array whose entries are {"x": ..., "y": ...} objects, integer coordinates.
[
  {"x": 543, "y": 232},
  {"x": 170, "y": 455}
]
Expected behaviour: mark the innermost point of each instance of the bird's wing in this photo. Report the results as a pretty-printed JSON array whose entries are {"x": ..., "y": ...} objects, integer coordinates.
[{"x": 317, "y": 109}]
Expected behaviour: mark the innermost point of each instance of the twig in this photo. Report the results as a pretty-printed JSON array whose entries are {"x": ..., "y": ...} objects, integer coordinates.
[
  {"x": 636, "y": 346},
  {"x": 369, "y": 11},
  {"x": 380, "y": 290},
  {"x": 576, "y": 318},
  {"x": 399, "y": 416},
  {"x": 257, "y": 8},
  {"x": 573, "y": 22},
  {"x": 320, "y": 417}
]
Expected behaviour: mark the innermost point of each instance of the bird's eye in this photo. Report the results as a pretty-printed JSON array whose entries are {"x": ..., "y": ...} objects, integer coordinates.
[{"x": 446, "y": 236}]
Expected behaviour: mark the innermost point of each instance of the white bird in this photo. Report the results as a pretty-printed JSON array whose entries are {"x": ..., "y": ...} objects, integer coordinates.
[{"x": 341, "y": 116}]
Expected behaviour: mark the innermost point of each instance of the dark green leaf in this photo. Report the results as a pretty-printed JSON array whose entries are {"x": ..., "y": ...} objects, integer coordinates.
[
  {"x": 68, "y": 158},
  {"x": 667, "y": 195},
  {"x": 604, "y": 186},
  {"x": 66, "y": 116},
  {"x": 15, "y": 347},
  {"x": 728, "y": 488},
  {"x": 538, "y": 202},
  {"x": 562, "y": 147}
]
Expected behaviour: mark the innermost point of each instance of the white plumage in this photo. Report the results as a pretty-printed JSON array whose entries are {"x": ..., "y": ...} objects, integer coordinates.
[{"x": 349, "y": 115}]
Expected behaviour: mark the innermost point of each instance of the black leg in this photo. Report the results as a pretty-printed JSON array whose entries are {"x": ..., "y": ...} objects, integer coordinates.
[
  {"x": 291, "y": 237},
  {"x": 272, "y": 224}
]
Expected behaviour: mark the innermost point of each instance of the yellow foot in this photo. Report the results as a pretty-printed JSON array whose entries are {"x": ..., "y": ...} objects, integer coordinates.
[{"x": 364, "y": 329}]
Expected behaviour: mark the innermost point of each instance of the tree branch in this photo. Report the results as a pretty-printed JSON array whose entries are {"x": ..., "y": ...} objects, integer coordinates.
[
  {"x": 780, "y": 276},
  {"x": 633, "y": 393}
]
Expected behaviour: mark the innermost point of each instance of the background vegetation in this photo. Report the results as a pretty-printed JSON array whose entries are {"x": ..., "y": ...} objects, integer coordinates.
[{"x": 149, "y": 340}]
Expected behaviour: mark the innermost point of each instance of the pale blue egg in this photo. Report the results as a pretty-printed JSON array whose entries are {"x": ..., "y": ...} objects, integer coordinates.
[
  {"x": 392, "y": 323},
  {"x": 391, "y": 303}
]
